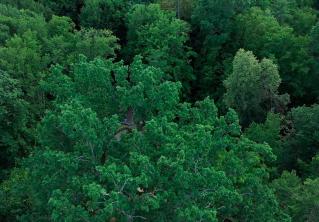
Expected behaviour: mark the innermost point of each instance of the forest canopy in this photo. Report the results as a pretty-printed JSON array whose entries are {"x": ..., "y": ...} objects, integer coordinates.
[{"x": 159, "y": 110}]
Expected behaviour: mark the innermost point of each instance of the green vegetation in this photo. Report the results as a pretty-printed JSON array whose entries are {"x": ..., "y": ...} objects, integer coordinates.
[{"x": 159, "y": 110}]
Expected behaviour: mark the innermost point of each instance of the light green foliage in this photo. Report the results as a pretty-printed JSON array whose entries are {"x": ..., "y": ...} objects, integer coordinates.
[
  {"x": 21, "y": 57},
  {"x": 180, "y": 162},
  {"x": 214, "y": 40},
  {"x": 252, "y": 87},
  {"x": 90, "y": 42},
  {"x": 299, "y": 199},
  {"x": 261, "y": 33},
  {"x": 30, "y": 52},
  {"x": 61, "y": 39},
  {"x": 29, "y": 45},
  {"x": 93, "y": 83},
  {"x": 31, "y": 5},
  {"x": 57, "y": 40},
  {"x": 94, "y": 43},
  {"x": 161, "y": 40},
  {"x": 16, "y": 22}
]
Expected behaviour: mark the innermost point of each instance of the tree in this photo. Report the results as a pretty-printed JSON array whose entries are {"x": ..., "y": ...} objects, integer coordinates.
[
  {"x": 178, "y": 162},
  {"x": 213, "y": 38},
  {"x": 260, "y": 32},
  {"x": 71, "y": 43},
  {"x": 304, "y": 19},
  {"x": 94, "y": 43},
  {"x": 105, "y": 14},
  {"x": 302, "y": 141},
  {"x": 297, "y": 14},
  {"x": 161, "y": 39},
  {"x": 31, "y": 5},
  {"x": 26, "y": 56},
  {"x": 13, "y": 118},
  {"x": 211, "y": 22},
  {"x": 16, "y": 22},
  {"x": 299, "y": 199},
  {"x": 269, "y": 132},
  {"x": 312, "y": 170},
  {"x": 22, "y": 59},
  {"x": 314, "y": 50},
  {"x": 182, "y": 8},
  {"x": 29, "y": 45},
  {"x": 70, "y": 8},
  {"x": 108, "y": 113},
  {"x": 252, "y": 87}
]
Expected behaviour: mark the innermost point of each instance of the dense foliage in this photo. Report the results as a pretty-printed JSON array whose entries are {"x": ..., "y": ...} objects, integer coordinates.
[{"x": 159, "y": 110}]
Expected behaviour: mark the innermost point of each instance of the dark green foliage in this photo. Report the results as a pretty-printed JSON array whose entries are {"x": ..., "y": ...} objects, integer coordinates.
[
  {"x": 104, "y": 14},
  {"x": 191, "y": 168},
  {"x": 303, "y": 140},
  {"x": 108, "y": 14},
  {"x": 268, "y": 132},
  {"x": 70, "y": 8},
  {"x": 107, "y": 112},
  {"x": 13, "y": 112},
  {"x": 182, "y": 8},
  {"x": 212, "y": 24},
  {"x": 214, "y": 40},
  {"x": 299, "y": 199},
  {"x": 314, "y": 50},
  {"x": 313, "y": 168},
  {"x": 298, "y": 14}
]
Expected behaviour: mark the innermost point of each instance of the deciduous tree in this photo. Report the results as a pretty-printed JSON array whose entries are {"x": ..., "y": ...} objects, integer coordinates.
[
  {"x": 181, "y": 162},
  {"x": 161, "y": 39},
  {"x": 252, "y": 87}
]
